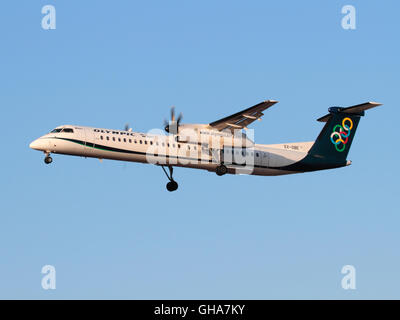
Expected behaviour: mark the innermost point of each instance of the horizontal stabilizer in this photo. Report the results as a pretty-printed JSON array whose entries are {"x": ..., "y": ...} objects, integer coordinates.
[{"x": 357, "y": 109}]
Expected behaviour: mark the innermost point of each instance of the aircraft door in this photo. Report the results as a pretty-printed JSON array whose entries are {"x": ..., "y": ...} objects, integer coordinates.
[
  {"x": 265, "y": 159},
  {"x": 215, "y": 155},
  {"x": 80, "y": 134},
  {"x": 88, "y": 141},
  {"x": 92, "y": 140}
]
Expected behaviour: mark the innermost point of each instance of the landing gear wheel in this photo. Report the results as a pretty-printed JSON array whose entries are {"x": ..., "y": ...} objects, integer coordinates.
[
  {"x": 48, "y": 160},
  {"x": 172, "y": 186},
  {"x": 221, "y": 170}
]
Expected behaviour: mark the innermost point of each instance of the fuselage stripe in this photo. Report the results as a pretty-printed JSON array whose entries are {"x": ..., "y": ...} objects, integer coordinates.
[{"x": 111, "y": 149}]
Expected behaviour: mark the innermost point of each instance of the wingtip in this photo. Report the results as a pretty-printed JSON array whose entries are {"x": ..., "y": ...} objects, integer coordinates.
[{"x": 375, "y": 103}]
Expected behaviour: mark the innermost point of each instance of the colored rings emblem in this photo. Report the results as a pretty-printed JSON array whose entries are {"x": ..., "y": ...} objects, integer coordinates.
[{"x": 341, "y": 133}]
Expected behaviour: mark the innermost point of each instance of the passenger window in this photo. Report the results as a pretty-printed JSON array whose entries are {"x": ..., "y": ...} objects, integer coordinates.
[{"x": 119, "y": 139}]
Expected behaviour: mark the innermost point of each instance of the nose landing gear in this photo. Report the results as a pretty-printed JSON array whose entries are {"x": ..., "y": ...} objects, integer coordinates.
[
  {"x": 172, "y": 185},
  {"x": 48, "y": 159}
]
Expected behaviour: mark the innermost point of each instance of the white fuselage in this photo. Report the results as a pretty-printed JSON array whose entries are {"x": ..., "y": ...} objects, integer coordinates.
[{"x": 172, "y": 150}]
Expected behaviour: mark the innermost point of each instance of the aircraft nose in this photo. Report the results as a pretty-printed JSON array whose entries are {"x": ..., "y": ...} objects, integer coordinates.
[
  {"x": 33, "y": 144},
  {"x": 36, "y": 144}
]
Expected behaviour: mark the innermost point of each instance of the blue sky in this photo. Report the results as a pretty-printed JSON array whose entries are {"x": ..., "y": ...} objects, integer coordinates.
[{"x": 112, "y": 230}]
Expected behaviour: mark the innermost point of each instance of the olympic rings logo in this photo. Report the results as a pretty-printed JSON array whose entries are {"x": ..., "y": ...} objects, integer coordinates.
[{"x": 340, "y": 137}]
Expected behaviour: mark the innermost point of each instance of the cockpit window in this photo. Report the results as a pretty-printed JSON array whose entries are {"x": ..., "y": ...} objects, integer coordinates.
[{"x": 67, "y": 130}]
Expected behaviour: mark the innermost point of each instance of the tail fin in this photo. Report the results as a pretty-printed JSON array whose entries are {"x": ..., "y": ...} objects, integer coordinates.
[{"x": 334, "y": 141}]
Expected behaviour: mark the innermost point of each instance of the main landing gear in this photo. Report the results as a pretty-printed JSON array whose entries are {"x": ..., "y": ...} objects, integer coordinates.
[
  {"x": 172, "y": 185},
  {"x": 48, "y": 159},
  {"x": 221, "y": 170}
]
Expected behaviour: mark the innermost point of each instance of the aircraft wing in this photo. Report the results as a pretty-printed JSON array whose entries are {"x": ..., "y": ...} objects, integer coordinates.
[{"x": 243, "y": 118}]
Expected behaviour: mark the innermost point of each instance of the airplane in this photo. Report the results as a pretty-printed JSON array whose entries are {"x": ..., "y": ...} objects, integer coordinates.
[{"x": 222, "y": 146}]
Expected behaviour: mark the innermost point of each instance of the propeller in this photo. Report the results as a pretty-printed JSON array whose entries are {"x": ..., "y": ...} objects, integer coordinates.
[
  {"x": 127, "y": 128},
  {"x": 173, "y": 125}
]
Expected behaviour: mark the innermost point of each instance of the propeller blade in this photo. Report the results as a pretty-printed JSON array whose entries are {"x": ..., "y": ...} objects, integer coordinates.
[
  {"x": 173, "y": 125},
  {"x": 179, "y": 118},
  {"x": 172, "y": 113}
]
